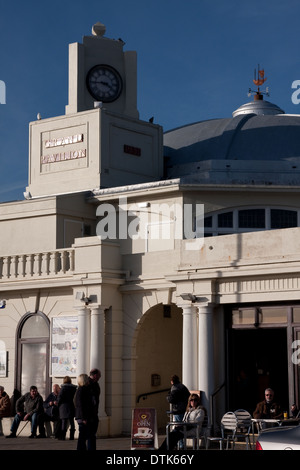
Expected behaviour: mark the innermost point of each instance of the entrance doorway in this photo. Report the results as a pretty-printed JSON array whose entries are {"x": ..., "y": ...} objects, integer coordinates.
[
  {"x": 33, "y": 353},
  {"x": 257, "y": 360}
]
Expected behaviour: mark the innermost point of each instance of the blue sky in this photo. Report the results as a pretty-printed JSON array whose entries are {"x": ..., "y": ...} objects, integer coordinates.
[{"x": 196, "y": 61}]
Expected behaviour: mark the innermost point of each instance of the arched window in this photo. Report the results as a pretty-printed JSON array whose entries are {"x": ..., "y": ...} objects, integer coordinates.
[{"x": 33, "y": 353}]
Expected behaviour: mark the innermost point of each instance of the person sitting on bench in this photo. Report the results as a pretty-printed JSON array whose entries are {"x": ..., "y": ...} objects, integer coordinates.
[
  {"x": 29, "y": 407},
  {"x": 4, "y": 403}
]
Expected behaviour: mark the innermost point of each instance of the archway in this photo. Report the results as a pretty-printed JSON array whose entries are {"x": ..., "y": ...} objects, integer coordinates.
[
  {"x": 32, "y": 365},
  {"x": 158, "y": 353}
]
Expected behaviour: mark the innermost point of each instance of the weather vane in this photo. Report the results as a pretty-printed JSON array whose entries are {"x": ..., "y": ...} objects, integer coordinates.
[{"x": 259, "y": 80}]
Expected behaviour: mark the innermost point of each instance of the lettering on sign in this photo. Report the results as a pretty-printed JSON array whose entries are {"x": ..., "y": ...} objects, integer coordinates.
[
  {"x": 71, "y": 139},
  {"x": 62, "y": 156},
  {"x": 132, "y": 150}
]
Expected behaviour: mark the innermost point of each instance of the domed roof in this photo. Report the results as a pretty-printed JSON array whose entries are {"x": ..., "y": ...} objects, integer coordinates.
[
  {"x": 258, "y": 133},
  {"x": 258, "y": 107}
]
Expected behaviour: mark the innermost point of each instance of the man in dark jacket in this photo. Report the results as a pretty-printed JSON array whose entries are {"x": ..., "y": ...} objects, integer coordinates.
[
  {"x": 268, "y": 409},
  {"x": 29, "y": 407},
  {"x": 94, "y": 378},
  {"x": 178, "y": 397}
]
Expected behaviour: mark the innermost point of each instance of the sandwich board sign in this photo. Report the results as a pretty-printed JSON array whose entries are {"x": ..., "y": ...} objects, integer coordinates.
[{"x": 144, "y": 429}]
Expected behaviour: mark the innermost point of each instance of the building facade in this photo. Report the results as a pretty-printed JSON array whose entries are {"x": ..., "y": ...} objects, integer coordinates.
[{"x": 115, "y": 257}]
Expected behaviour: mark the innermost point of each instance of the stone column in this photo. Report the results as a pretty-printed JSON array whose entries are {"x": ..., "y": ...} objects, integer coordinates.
[
  {"x": 83, "y": 354},
  {"x": 205, "y": 353},
  {"x": 189, "y": 347},
  {"x": 97, "y": 354}
]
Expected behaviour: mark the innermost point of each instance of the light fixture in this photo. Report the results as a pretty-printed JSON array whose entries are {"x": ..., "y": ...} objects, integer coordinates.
[
  {"x": 190, "y": 297},
  {"x": 81, "y": 296},
  {"x": 193, "y": 298}
]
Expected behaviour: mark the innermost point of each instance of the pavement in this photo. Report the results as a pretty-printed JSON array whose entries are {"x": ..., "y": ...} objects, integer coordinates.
[
  {"x": 49, "y": 444},
  {"x": 121, "y": 443}
]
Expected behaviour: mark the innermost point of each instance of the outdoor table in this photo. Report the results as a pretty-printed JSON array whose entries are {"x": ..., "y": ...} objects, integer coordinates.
[{"x": 260, "y": 421}]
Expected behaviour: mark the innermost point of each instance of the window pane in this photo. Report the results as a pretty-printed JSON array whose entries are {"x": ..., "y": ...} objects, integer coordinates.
[
  {"x": 296, "y": 314},
  {"x": 33, "y": 367},
  {"x": 243, "y": 316},
  {"x": 273, "y": 315},
  {"x": 283, "y": 219},
  {"x": 252, "y": 218},
  {"x": 225, "y": 220},
  {"x": 208, "y": 221},
  {"x": 35, "y": 327}
]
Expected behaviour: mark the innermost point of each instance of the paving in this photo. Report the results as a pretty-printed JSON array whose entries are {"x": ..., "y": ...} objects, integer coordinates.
[{"x": 122, "y": 443}]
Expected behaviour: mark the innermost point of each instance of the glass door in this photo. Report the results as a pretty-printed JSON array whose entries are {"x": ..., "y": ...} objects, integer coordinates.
[{"x": 33, "y": 354}]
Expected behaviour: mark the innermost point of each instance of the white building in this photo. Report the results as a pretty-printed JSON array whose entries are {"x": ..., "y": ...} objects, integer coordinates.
[{"x": 150, "y": 300}]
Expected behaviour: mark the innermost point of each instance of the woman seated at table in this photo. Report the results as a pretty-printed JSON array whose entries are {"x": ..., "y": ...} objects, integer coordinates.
[{"x": 195, "y": 413}]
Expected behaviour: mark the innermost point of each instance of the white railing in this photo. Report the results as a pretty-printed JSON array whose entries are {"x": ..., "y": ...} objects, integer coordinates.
[{"x": 37, "y": 265}]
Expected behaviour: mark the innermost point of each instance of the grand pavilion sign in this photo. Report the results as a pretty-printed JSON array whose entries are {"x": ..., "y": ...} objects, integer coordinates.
[{"x": 65, "y": 155}]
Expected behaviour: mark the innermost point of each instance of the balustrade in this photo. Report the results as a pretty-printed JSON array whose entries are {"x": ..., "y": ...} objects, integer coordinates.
[{"x": 35, "y": 265}]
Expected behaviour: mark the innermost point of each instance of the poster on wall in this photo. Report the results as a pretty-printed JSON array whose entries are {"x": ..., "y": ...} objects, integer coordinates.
[
  {"x": 144, "y": 429},
  {"x": 64, "y": 342},
  {"x": 3, "y": 363}
]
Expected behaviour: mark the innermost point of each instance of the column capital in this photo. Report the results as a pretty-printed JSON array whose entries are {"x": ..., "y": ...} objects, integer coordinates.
[
  {"x": 205, "y": 307},
  {"x": 83, "y": 309},
  {"x": 187, "y": 307},
  {"x": 100, "y": 308}
]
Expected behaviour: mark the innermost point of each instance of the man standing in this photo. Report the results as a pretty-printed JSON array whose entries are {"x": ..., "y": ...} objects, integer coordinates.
[
  {"x": 94, "y": 378},
  {"x": 178, "y": 397},
  {"x": 29, "y": 407}
]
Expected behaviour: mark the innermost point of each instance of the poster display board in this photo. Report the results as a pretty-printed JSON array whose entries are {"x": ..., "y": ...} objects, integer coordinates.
[
  {"x": 3, "y": 363},
  {"x": 144, "y": 429},
  {"x": 64, "y": 342}
]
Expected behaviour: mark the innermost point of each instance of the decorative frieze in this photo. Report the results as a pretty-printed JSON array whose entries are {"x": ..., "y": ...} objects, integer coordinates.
[{"x": 271, "y": 284}]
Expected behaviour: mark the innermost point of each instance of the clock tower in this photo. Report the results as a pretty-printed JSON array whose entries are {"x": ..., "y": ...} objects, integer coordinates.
[
  {"x": 100, "y": 142},
  {"x": 100, "y": 71}
]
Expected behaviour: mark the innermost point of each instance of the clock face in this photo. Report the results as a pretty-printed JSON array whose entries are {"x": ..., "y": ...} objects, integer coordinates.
[{"x": 104, "y": 83}]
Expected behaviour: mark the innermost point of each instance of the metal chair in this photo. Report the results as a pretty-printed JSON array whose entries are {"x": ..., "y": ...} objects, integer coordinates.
[
  {"x": 244, "y": 426},
  {"x": 202, "y": 434},
  {"x": 229, "y": 425},
  {"x": 185, "y": 426}
]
